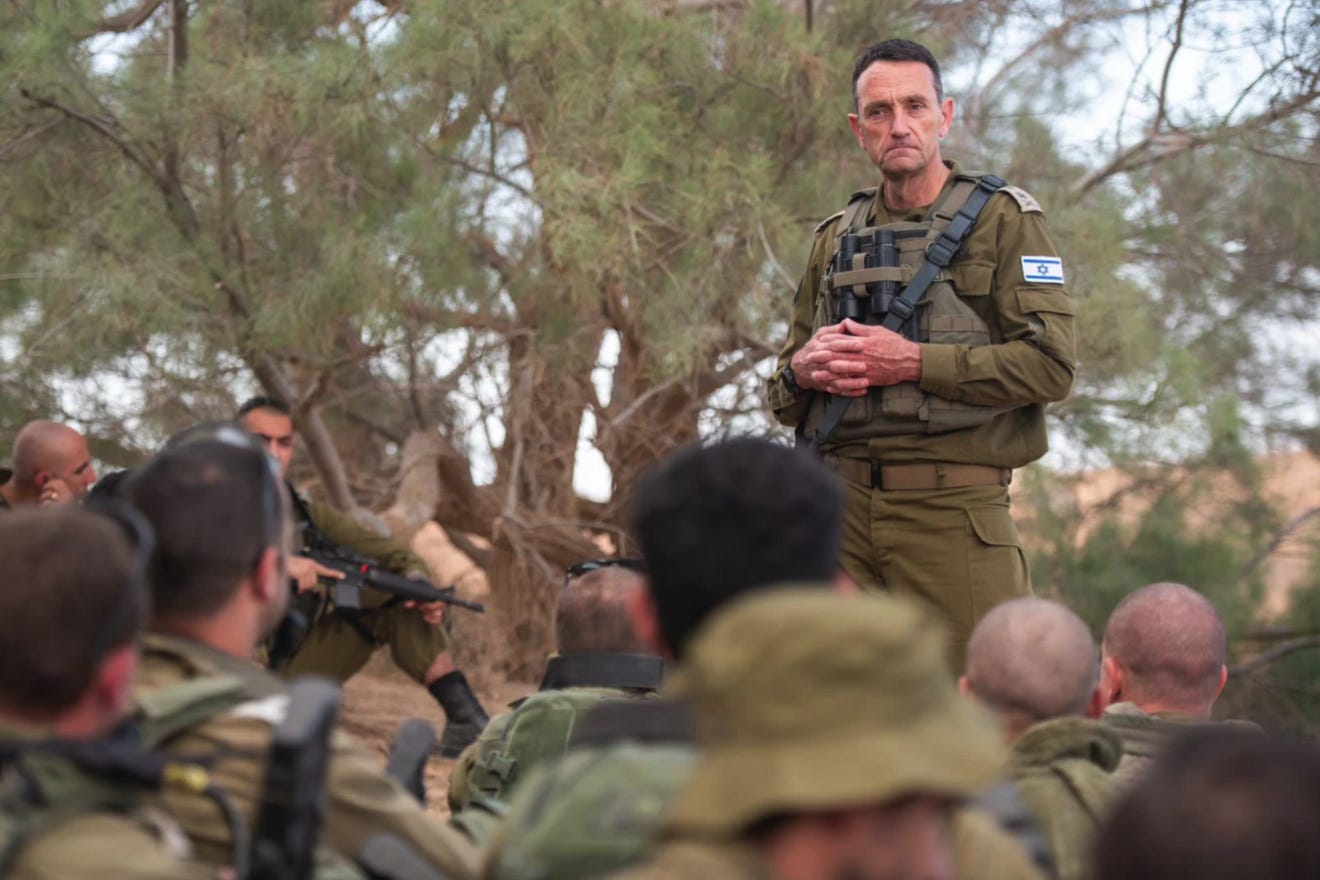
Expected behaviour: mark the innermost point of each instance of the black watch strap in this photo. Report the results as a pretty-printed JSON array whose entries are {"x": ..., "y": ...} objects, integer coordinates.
[{"x": 790, "y": 380}]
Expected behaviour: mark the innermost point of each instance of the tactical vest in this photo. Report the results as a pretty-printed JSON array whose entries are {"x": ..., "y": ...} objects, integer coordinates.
[
  {"x": 41, "y": 788},
  {"x": 173, "y": 710},
  {"x": 592, "y": 814},
  {"x": 942, "y": 317},
  {"x": 537, "y": 730}
]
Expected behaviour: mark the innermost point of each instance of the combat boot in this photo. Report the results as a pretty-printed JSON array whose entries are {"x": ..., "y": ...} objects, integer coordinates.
[{"x": 464, "y": 717}]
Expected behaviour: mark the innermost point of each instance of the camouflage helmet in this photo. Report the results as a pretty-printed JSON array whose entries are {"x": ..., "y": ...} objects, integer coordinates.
[{"x": 812, "y": 701}]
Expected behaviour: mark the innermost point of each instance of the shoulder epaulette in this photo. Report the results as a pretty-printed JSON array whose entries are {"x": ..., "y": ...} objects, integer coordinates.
[
  {"x": 820, "y": 227},
  {"x": 862, "y": 195},
  {"x": 1025, "y": 200}
]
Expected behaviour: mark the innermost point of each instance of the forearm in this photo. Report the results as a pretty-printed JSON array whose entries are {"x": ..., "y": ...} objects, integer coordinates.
[
  {"x": 790, "y": 408},
  {"x": 1010, "y": 374}
]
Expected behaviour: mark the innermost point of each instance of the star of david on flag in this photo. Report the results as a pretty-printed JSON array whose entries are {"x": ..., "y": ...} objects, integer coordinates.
[{"x": 1042, "y": 270}]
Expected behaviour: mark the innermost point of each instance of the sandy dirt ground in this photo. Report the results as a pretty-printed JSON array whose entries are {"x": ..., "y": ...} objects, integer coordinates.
[{"x": 380, "y": 698}]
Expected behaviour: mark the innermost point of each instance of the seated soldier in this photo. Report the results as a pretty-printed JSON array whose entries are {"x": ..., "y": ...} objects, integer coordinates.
[
  {"x": 832, "y": 745},
  {"x": 71, "y": 613},
  {"x": 340, "y": 640},
  {"x": 717, "y": 525},
  {"x": 1162, "y": 668},
  {"x": 599, "y": 659},
  {"x": 1221, "y": 802},
  {"x": 1036, "y": 666},
  {"x": 51, "y": 465},
  {"x": 219, "y": 586}
]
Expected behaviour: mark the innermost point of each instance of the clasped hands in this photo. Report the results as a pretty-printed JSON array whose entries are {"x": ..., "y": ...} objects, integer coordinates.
[{"x": 847, "y": 358}]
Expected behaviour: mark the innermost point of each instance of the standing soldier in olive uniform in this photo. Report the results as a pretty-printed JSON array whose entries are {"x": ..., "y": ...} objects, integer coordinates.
[
  {"x": 1036, "y": 665},
  {"x": 341, "y": 641},
  {"x": 71, "y": 615},
  {"x": 927, "y": 422}
]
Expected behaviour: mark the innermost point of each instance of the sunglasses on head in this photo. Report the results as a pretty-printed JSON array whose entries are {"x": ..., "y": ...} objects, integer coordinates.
[
  {"x": 578, "y": 569},
  {"x": 230, "y": 434}
]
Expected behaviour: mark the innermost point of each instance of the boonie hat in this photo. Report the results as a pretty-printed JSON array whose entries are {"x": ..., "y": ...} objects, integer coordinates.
[{"x": 807, "y": 700}]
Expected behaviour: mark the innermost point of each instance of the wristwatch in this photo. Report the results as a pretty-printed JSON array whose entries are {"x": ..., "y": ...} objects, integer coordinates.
[{"x": 790, "y": 380}]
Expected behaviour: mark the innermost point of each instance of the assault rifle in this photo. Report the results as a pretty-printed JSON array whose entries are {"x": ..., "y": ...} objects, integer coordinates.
[
  {"x": 293, "y": 792},
  {"x": 359, "y": 572}
]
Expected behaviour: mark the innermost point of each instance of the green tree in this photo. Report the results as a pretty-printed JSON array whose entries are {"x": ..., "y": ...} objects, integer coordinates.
[{"x": 432, "y": 224}]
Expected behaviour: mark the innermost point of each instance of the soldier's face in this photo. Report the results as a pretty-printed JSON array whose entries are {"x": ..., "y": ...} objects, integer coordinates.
[
  {"x": 71, "y": 467},
  {"x": 275, "y": 430},
  {"x": 899, "y": 120},
  {"x": 907, "y": 840}
]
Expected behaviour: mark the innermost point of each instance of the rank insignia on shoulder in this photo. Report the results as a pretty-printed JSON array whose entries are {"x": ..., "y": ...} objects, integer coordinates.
[
  {"x": 1042, "y": 270},
  {"x": 826, "y": 222},
  {"x": 1026, "y": 201}
]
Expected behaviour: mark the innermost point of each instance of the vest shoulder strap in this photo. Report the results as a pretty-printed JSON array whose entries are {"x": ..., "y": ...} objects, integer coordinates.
[
  {"x": 859, "y": 208},
  {"x": 167, "y": 712}
]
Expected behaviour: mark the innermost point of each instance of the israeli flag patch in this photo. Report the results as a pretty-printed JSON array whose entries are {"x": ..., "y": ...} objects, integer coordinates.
[{"x": 1042, "y": 270}]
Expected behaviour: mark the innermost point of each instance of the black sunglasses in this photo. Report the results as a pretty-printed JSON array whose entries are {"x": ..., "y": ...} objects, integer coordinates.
[{"x": 578, "y": 569}]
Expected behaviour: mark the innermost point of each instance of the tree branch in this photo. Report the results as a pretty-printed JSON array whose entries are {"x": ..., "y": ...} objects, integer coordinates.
[
  {"x": 1158, "y": 147},
  {"x": 28, "y": 135},
  {"x": 1284, "y": 534},
  {"x": 102, "y": 127},
  {"x": 1278, "y": 652},
  {"x": 129, "y": 20},
  {"x": 1162, "y": 103}
]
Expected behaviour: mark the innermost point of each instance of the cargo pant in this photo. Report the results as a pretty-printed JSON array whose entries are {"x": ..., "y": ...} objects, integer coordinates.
[
  {"x": 335, "y": 648},
  {"x": 957, "y": 550}
]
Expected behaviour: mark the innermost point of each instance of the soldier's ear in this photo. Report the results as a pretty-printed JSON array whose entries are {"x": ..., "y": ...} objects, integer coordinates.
[
  {"x": 646, "y": 621},
  {"x": 1096, "y": 706},
  {"x": 1111, "y": 682},
  {"x": 1223, "y": 680},
  {"x": 112, "y": 685},
  {"x": 946, "y": 115},
  {"x": 271, "y": 574}
]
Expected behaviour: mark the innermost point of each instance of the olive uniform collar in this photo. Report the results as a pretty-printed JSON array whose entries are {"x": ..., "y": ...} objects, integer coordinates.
[
  {"x": 1059, "y": 739},
  {"x": 192, "y": 659},
  {"x": 639, "y": 672}
]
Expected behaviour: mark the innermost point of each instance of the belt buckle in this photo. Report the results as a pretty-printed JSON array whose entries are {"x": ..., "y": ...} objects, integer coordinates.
[{"x": 877, "y": 475}]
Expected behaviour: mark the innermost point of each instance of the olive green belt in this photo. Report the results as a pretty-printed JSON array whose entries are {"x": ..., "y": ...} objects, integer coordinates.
[{"x": 926, "y": 475}]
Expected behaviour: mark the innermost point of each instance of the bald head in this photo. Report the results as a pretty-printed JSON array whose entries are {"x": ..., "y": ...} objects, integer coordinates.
[
  {"x": 591, "y": 615},
  {"x": 1164, "y": 650},
  {"x": 48, "y": 451},
  {"x": 1031, "y": 660}
]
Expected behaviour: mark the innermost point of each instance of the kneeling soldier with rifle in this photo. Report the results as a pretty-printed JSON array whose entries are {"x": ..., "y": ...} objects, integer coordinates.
[{"x": 396, "y": 608}]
